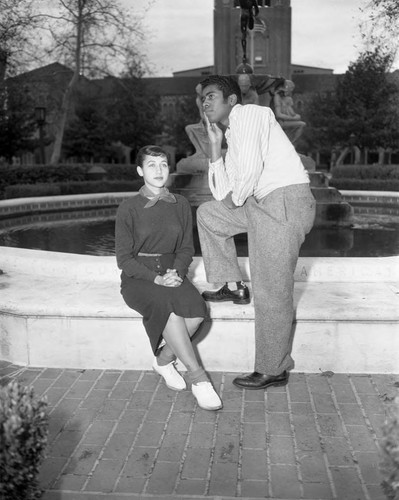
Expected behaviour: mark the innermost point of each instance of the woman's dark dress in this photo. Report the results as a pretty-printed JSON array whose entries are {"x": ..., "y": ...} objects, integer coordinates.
[{"x": 165, "y": 228}]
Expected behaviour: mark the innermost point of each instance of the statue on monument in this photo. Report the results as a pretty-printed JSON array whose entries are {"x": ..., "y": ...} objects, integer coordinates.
[
  {"x": 283, "y": 107},
  {"x": 249, "y": 10},
  {"x": 253, "y": 91},
  {"x": 249, "y": 93},
  {"x": 196, "y": 132},
  {"x": 272, "y": 90}
]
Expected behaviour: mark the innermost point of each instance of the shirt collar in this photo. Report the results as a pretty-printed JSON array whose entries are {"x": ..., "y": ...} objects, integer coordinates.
[{"x": 233, "y": 112}]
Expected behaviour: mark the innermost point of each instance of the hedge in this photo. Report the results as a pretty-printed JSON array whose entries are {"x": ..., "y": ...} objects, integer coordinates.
[
  {"x": 36, "y": 174},
  {"x": 365, "y": 184},
  {"x": 366, "y": 172},
  {"x": 64, "y": 188},
  {"x": 18, "y": 181}
]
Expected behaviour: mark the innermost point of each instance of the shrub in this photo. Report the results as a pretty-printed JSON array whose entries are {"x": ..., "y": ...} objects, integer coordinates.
[
  {"x": 119, "y": 172},
  {"x": 11, "y": 175},
  {"x": 64, "y": 188},
  {"x": 366, "y": 172},
  {"x": 33, "y": 174},
  {"x": 28, "y": 190},
  {"x": 100, "y": 186},
  {"x": 390, "y": 453},
  {"x": 365, "y": 184},
  {"x": 23, "y": 437}
]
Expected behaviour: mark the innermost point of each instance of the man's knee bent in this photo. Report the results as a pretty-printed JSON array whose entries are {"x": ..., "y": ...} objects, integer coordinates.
[{"x": 205, "y": 212}]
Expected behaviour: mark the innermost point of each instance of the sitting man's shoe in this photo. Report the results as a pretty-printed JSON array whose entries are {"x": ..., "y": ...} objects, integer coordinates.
[
  {"x": 260, "y": 381},
  {"x": 239, "y": 296},
  {"x": 172, "y": 377},
  {"x": 206, "y": 396}
]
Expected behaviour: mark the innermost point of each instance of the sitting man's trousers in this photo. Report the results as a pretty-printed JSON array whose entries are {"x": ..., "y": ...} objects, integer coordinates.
[{"x": 276, "y": 227}]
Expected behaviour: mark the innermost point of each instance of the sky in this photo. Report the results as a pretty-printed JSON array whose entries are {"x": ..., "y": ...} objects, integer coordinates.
[{"x": 325, "y": 33}]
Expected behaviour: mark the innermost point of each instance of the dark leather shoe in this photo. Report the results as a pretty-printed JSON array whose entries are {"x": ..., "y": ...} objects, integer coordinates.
[
  {"x": 260, "y": 381},
  {"x": 240, "y": 296}
]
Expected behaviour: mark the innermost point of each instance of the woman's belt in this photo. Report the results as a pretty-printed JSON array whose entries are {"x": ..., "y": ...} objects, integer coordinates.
[{"x": 158, "y": 262}]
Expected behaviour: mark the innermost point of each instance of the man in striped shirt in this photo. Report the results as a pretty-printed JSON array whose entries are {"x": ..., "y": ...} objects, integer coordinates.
[{"x": 260, "y": 188}]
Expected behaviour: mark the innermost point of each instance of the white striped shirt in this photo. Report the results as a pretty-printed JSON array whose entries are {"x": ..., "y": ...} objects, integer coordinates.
[{"x": 259, "y": 159}]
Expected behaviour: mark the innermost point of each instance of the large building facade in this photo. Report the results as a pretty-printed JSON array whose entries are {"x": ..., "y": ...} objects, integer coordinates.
[{"x": 268, "y": 51}]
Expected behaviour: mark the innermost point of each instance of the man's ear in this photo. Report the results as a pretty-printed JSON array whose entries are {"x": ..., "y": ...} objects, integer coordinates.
[
  {"x": 140, "y": 171},
  {"x": 232, "y": 100}
]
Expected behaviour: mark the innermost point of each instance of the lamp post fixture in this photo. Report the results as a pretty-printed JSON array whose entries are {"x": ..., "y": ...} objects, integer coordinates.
[{"x": 40, "y": 116}]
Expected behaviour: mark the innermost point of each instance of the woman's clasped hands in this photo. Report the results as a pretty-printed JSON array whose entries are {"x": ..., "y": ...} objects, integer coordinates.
[{"x": 170, "y": 278}]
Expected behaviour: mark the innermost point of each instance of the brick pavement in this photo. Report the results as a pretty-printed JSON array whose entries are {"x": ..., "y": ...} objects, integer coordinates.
[{"x": 123, "y": 435}]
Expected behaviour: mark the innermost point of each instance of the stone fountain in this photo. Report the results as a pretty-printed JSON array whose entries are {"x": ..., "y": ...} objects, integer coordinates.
[
  {"x": 191, "y": 180},
  {"x": 191, "y": 176}
]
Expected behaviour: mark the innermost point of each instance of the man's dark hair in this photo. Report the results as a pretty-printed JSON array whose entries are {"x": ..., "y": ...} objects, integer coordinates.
[
  {"x": 150, "y": 150},
  {"x": 226, "y": 84}
]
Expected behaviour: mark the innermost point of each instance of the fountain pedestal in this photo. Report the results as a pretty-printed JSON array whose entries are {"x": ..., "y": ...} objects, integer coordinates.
[
  {"x": 331, "y": 209},
  {"x": 198, "y": 162}
]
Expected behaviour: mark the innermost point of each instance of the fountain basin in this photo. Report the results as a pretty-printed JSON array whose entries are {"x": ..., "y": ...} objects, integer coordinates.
[
  {"x": 65, "y": 310},
  {"x": 85, "y": 224}
]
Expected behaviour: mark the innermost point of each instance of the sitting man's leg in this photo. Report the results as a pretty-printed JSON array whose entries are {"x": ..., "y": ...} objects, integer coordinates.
[{"x": 217, "y": 226}]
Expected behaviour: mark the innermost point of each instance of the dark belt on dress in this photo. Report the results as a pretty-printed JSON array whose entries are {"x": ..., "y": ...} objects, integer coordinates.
[{"x": 157, "y": 262}]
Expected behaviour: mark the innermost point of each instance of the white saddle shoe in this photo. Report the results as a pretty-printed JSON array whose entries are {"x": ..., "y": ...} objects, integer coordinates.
[
  {"x": 206, "y": 396},
  {"x": 172, "y": 377}
]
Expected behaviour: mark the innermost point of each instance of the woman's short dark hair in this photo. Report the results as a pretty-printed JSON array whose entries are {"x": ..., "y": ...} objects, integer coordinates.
[
  {"x": 150, "y": 150},
  {"x": 226, "y": 84}
]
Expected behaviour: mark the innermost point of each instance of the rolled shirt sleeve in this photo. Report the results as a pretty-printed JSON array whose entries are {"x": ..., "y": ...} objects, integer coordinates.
[{"x": 219, "y": 181}]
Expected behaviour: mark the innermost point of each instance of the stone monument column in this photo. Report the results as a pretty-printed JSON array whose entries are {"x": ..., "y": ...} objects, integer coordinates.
[{"x": 196, "y": 132}]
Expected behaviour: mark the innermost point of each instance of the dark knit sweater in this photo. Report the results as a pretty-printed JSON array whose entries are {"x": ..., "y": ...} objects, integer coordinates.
[{"x": 163, "y": 228}]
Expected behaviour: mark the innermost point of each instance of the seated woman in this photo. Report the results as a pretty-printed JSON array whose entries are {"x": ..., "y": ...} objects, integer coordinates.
[{"x": 154, "y": 248}]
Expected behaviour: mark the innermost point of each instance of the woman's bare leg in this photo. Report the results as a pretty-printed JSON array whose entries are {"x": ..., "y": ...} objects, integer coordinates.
[
  {"x": 177, "y": 338},
  {"x": 192, "y": 325},
  {"x": 167, "y": 355}
]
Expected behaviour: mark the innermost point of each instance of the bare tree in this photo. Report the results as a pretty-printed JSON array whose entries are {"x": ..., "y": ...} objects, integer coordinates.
[
  {"x": 379, "y": 27},
  {"x": 93, "y": 38},
  {"x": 18, "y": 28}
]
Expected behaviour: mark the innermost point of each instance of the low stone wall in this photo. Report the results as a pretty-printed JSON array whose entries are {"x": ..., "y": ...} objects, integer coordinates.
[
  {"x": 372, "y": 201},
  {"x": 65, "y": 310},
  {"x": 98, "y": 268},
  {"x": 23, "y": 206},
  {"x": 20, "y": 206}
]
